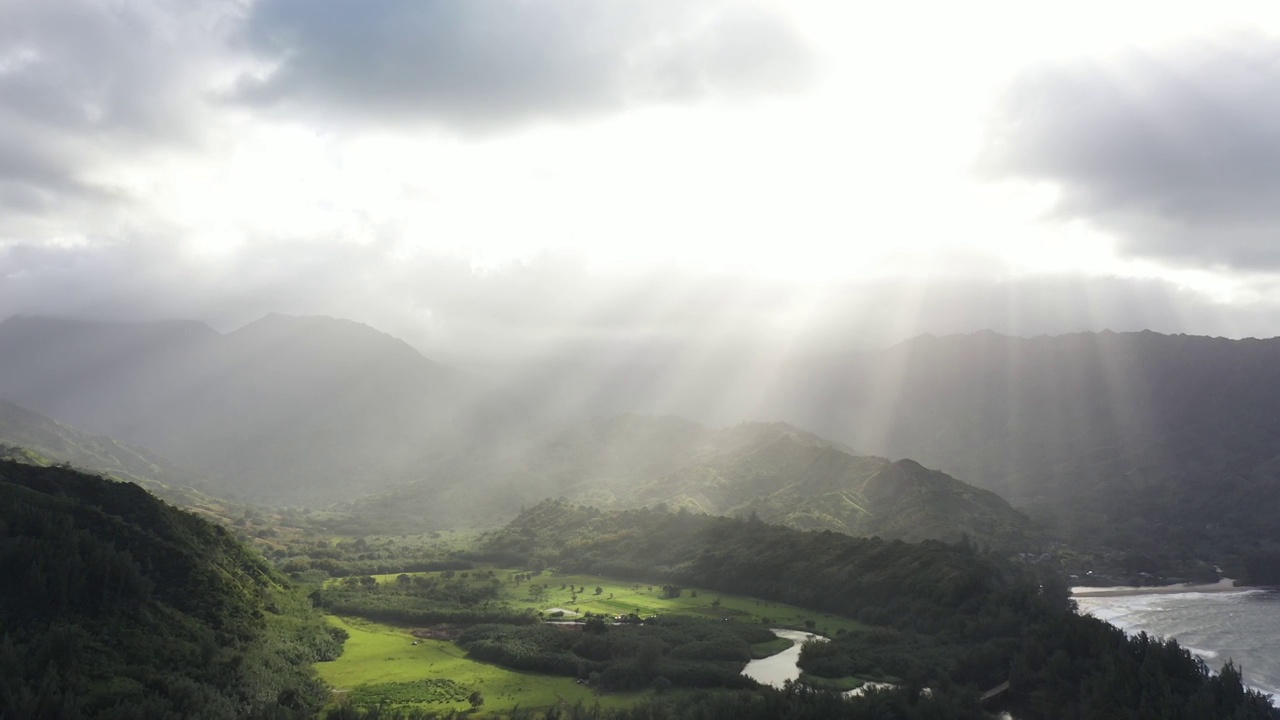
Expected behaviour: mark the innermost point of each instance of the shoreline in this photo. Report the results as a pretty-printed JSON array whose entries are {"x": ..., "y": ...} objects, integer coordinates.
[
  {"x": 1211, "y": 653},
  {"x": 1225, "y": 585}
]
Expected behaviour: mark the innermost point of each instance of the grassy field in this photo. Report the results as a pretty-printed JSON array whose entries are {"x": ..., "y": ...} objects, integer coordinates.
[
  {"x": 619, "y": 598},
  {"x": 380, "y": 663}
]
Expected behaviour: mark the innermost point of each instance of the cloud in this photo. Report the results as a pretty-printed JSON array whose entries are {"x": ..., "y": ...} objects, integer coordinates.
[
  {"x": 85, "y": 83},
  {"x": 558, "y": 306},
  {"x": 1176, "y": 153},
  {"x": 503, "y": 62}
]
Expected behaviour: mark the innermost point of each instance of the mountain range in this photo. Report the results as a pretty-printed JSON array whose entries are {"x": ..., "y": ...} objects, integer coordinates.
[
  {"x": 1139, "y": 440},
  {"x": 1165, "y": 445}
]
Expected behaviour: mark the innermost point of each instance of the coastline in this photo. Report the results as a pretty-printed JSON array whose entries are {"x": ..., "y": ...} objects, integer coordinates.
[
  {"x": 1137, "y": 609},
  {"x": 1225, "y": 585}
]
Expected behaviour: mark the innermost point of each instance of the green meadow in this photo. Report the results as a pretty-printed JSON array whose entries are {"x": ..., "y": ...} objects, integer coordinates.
[
  {"x": 543, "y": 592},
  {"x": 619, "y": 598},
  {"x": 381, "y": 664}
]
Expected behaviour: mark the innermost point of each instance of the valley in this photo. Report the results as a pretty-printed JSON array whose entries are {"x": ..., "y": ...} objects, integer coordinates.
[
  {"x": 639, "y": 360},
  {"x": 435, "y": 580}
]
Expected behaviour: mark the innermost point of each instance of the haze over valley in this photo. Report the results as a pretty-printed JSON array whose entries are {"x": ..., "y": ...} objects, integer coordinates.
[{"x": 571, "y": 359}]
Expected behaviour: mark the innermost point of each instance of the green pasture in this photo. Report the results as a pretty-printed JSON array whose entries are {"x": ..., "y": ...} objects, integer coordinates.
[
  {"x": 543, "y": 592},
  {"x": 380, "y": 663},
  {"x": 620, "y": 597}
]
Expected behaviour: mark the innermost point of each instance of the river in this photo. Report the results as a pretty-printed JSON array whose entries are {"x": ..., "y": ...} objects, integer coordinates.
[{"x": 777, "y": 669}]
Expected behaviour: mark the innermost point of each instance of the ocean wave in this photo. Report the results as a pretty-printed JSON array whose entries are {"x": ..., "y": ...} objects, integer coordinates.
[
  {"x": 1241, "y": 626},
  {"x": 1273, "y": 694}
]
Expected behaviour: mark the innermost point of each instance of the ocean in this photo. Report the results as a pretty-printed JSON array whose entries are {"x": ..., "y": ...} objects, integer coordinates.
[{"x": 1242, "y": 626}]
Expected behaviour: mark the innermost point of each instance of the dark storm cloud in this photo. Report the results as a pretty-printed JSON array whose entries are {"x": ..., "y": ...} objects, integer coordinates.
[
  {"x": 505, "y": 61},
  {"x": 1178, "y": 153}
]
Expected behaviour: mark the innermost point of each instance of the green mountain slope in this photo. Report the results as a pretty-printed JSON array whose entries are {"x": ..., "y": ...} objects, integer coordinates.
[
  {"x": 116, "y": 605},
  {"x": 776, "y": 471}
]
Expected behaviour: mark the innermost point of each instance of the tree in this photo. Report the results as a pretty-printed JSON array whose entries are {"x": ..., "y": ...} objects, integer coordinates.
[
  {"x": 649, "y": 654},
  {"x": 599, "y": 590},
  {"x": 476, "y": 699}
]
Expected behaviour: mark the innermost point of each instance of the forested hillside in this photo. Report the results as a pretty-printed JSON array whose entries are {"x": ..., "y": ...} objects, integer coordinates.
[
  {"x": 116, "y": 605},
  {"x": 948, "y": 615}
]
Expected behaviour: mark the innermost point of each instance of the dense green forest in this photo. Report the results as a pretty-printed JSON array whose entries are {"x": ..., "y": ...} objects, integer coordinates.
[
  {"x": 116, "y": 605},
  {"x": 419, "y": 600},
  {"x": 658, "y": 652}
]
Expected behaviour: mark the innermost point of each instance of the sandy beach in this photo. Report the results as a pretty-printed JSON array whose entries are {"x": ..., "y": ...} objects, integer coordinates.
[{"x": 1223, "y": 585}]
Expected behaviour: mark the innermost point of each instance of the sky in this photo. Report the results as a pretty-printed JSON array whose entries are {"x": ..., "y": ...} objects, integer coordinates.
[{"x": 507, "y": 179}]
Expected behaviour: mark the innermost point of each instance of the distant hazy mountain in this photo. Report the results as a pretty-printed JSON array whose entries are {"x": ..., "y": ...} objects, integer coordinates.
[
  {"x": 1165, "y": 444},
  {"x": 33, "y": 439},
  {"x": 284, "y": 408},
  {"x": 20, "y": 427},
  {"x": 776, "y": 471},
  {"x": 1169, "y": 444}
]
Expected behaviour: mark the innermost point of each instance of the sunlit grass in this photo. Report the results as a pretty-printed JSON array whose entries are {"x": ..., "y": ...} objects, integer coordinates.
[
  {"x": 378, "y": 655},
  {"x": 381, "y": 663},
  {"x": 618, "y": 597}
]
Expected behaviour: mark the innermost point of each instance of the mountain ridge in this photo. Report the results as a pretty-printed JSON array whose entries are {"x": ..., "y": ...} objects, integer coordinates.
[{"x": 780, "y": 473}]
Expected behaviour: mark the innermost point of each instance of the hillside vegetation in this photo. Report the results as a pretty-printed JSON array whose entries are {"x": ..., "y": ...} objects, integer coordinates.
[
  {"x": 949, "y": 617},
  {"x": 116, "y": 605}
]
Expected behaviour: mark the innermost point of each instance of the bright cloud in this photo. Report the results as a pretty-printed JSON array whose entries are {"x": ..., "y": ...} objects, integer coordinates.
[{"x": 474, "y": 176}]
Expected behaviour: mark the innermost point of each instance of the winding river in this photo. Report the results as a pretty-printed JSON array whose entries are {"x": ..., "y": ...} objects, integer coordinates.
[{"x": 777, "y": 669}]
